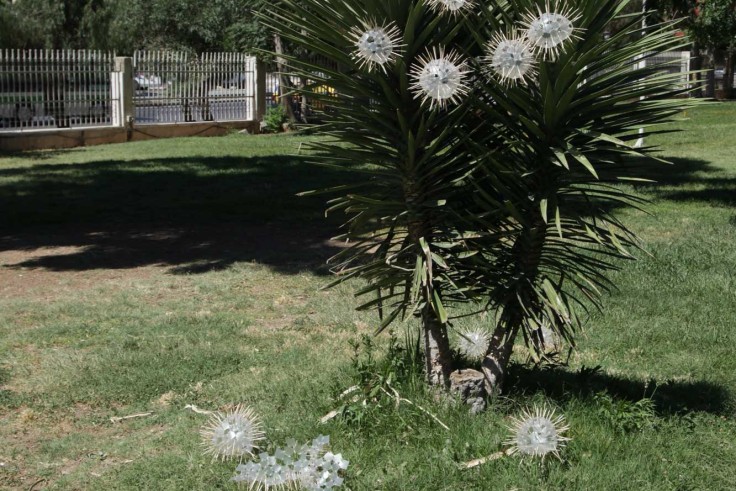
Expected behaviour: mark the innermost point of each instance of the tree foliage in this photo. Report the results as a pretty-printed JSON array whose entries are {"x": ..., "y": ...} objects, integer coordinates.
[
  {"x": 128, "y": 25},
  {"x": 715, "y": 23}
]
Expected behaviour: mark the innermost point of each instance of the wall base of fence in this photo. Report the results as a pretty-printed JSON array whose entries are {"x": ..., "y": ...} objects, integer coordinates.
[{"x": 70, "y": 138}]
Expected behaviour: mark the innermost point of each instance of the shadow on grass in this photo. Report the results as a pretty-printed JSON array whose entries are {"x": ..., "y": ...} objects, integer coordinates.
[
  {"x": 670, "y": 397},
  {"x": 685, "y": 173},
  {"x": 192, "y": 214},
  {"x": 681, "y": 180}
]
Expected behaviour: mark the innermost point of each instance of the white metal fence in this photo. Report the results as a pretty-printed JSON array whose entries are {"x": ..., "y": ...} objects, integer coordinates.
[
  {"x": 72, "y": 89},
  {"x": 55, "y": 88},
  {"x": 176, "y": 87},
  {"x": 672, "y": 62}
]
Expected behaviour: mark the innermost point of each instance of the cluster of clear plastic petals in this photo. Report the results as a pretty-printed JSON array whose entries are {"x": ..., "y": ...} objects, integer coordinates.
[{"x": 308, "y": 466}]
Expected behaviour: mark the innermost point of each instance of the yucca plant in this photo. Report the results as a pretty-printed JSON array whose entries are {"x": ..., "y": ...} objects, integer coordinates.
[
  {"x": 406, "y": 137},
  {"x": 566, "y": 138},
  {"x": 489, "y": 144}
]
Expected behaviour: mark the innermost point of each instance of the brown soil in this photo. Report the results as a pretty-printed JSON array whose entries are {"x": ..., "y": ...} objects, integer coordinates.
[{"x": 45, "y": 262}]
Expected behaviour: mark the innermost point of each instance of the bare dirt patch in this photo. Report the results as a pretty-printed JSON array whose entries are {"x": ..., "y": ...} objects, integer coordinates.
[{"x": 46, "y": 262}]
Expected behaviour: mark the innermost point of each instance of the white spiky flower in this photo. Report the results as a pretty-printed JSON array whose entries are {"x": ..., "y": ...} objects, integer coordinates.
[
  {"x": 232, "y": 434},
  {"x": 375, "y": 44},
  {"x": 538, "y": 433},
  {"x": 511, "y": 58},
  {"x": 451, "y": 6},
  {"x": 549, "y": 27},
  {"x": 473, "y": 343},
  {"x": 439, "y": 77}
]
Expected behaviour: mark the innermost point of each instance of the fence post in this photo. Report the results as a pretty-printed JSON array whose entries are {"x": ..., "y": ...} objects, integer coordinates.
[
  {"x": 122, "y": 92},
  {"x": 260, "y": 91},
  {"x": 685, "y": 68}
]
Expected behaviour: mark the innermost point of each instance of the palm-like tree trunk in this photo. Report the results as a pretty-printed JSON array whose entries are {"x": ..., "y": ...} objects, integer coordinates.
[
  {"x": 527, "y": 251},
  {"x": 437, "y": 356},
  {"x": 284, "y": 99},
  {"x": 499, "y": 354},
  {"x": 437, "y": 353}
]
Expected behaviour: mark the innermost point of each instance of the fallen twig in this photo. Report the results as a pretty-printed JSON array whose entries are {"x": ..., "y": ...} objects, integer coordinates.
[
  {"x": 332, "y": 414},
  {"x": 43, "y": 479},
  {"x": 117, "y": 419},
  {"x": 197, "y": 410},
  {"x": 476, "y": 462},
  {"x": 400, "y": 399}
]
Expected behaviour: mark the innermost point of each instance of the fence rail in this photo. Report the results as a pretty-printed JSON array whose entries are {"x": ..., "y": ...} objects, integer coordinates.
[
  {"x": 55, "y": 88},
  {"x": 176, "y": 87}
]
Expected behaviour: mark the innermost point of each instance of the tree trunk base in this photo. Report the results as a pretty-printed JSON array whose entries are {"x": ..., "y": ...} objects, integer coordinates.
[
  {"x": 469, "y": 386},
  {"x": 497, "y": 359},
  {"x": 437, "y": 356}
]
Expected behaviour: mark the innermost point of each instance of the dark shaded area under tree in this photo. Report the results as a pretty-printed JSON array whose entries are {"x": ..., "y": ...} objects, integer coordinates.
[{"x": 196, "y": 214}]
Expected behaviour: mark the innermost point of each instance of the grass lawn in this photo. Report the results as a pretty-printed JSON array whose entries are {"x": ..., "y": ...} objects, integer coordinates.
[{"x": 147, "y": 276}]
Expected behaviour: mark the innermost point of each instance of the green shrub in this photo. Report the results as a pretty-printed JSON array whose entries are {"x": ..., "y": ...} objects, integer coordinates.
[{"x": 274, "y": 119}]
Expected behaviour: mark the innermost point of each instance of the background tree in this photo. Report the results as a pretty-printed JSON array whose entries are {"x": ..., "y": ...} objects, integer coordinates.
[
  {"x": 714, "y": 26},
  {"x": 135, "y": 24}
]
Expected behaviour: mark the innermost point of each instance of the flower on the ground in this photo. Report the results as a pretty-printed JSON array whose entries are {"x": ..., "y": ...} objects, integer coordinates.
[
  {"x": 473, "y": 343},
  {"x": 306, "y": 466},
  {"x": 452, "y": 6},
  {"x": 511, "y": 58},
  {"x": 547, "y": 29},
  {"x": 233, "y": 434},
  {"x": 538, "y": 433},
  {"x": 375, "y": 44},
  {"x": 439, "y": 77}
]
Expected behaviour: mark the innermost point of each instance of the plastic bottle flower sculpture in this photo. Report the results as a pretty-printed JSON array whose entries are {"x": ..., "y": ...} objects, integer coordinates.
[
  {"x": 452, "y": 6},
  {"x": 512, "y": 59},
  {"x": 547, "y": 30},
  {"x": 306, "y": 467},
  {"x": 233, "y": 434},
  {"x": 473, "y": 343},
  {"x": 439, "y": 78},
  {"x": 538, "y": 433},
  {"x": 374, "y": 44}
]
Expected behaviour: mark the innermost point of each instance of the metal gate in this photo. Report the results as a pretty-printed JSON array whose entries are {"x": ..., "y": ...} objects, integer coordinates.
[{"x": 178, "y": 87}]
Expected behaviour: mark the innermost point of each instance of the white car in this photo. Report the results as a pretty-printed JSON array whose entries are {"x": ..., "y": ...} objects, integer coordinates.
[{"x": 146, "y": 82}]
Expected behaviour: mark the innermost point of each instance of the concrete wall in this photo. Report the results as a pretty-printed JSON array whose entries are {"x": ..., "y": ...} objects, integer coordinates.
[{"x": 69, "y": 138}]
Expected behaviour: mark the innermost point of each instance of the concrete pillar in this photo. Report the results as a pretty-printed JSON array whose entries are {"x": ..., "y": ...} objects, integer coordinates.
[{"x": 122, "y": 92}]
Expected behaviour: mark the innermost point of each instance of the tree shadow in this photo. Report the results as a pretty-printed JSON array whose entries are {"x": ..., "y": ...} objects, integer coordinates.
[
  {"x": 191, "y": 214},
  {"x": 713, "y": 187},
  {"x": 669, "y": 397},
  {"x": 681, "y": 179},
  {"x": 677, "y": 172}
]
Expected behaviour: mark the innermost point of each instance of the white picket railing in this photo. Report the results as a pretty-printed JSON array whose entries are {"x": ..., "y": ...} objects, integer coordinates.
[
  {"x": 55, "y": 88},
  {"x": 50, "y": 89},
  {"x": 176, "y": 87},
  {"x": 44, "y": 89}
]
